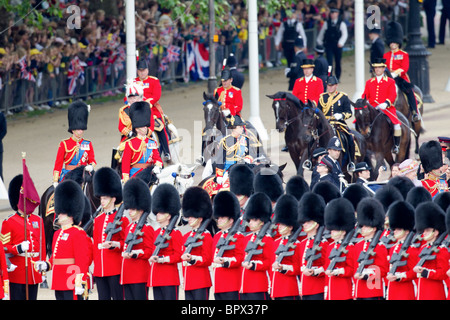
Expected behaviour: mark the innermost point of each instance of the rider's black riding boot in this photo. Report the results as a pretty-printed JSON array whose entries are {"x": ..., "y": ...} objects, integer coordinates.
[
  {"x": 165, "y": 151},
  {"x": 396, "y": 148},
  {"x": 351, "y": 154},
  {"x": 412, "y": 104}
]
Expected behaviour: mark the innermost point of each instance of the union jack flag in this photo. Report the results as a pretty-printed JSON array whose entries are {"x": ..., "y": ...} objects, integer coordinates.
[
  {"x": 75, "y": 72},
  {"x": 24, "y": 73},
  {"x": 173, "y": 53}
]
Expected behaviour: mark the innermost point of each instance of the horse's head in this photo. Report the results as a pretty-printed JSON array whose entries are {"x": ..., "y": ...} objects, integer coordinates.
[
  {"x": 362, "y": 116},
  {"x": 211, "y": 110},
  {"x": 280, "y": 107},
  {"x": 310, "y": 119}
]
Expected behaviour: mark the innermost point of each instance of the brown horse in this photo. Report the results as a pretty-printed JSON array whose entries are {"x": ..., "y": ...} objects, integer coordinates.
[{"x": 377, "y": 129}]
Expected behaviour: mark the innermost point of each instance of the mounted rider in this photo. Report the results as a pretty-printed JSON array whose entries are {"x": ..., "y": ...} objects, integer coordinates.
[
  {"x": 228, "y": 95},
  {"x": 336, "y": 108},
  {"x": 380, "y": 91},
  {"x": 308, "y": 87}
]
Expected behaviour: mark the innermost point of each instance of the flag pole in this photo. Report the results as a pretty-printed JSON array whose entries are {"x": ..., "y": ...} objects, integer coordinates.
[{"x": 25, "y": 231}]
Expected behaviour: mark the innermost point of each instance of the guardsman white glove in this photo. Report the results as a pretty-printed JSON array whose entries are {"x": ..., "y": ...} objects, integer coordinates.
[
  {"x": 156, "y": 170},
  {"x": 24, "y": 246},
  {"x": 382, "y": 106},
  {"x": 338, "y": 116},
  {"x": 89, "y": 168}
]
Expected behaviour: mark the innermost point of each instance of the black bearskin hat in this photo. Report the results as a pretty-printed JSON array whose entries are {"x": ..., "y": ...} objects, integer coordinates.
[
  {"x": 430, "y": 215},
  {"x": 355, "y": 193},
  {"x": 166, "y": 199},
  {"x": 196, "y": 203},
  {"x": 442, "y": 199},
  {"x": 136, "y": 195},
  {"x": 403, "y": 184},
  {"x": 77, "y": 114},
  {"x": 268, "y": 182},
  {"x": 226, "y": 204},
  {"x": 107, "y": 183},
  {"x": 430, "y": 154},
  {"x": 286, "y": 211},
  {"x": 259, "y": 207},
  {"x": 340, "y": 215},
  {"x": 69, "y": 199},
  {"x": 327, "y": 190},
  {"x": 370, "y": 213},
  {"x": 297, "y": 186},
  {"x": 394, "y": 33},
  {"x": 311, "y": 207},
  {"x": 14, "y": 191},
  {"x": 417, "y": 195},
  {"x": 140, "y": 114},
  {"x": 401, "y": 215},
  {"x": 241, "y": 180},
  {"x": 388, "y": 195}
]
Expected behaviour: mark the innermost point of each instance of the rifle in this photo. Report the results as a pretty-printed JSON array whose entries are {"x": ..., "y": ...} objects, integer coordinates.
[
  {"x": 192, "y": 241},
  {"x": 427, "y": 252},
  {"x": 312, "y": 254},
  {"x": 364, "y": 257},
  {"x": 396, "y": 259},
  {"x": 335, "y": 254},
  {"x": 252, "y": 245},
  {"x": 90, "y": 222},
  {"x": 283, "y": 249},
  {"x": 388, "y": 240},
  {"x": 133, "y": 238},
  {"x": 115, "y": 226},
  {"x": 224, "y": 242},
  {"x": 162, "y": 241}
]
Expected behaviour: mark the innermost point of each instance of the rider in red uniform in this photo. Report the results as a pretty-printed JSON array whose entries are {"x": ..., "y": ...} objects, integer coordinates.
[
  {"x": 228, "y": 95},
  {"x": 308, "y": 87}
]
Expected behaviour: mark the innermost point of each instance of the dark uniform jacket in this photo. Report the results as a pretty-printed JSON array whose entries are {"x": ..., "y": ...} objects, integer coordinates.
[
  {"x": 296, "y": 70},
  {"x": 238, "y": 78}
]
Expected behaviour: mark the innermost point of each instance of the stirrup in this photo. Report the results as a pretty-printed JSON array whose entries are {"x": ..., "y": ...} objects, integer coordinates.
[
  {"x": 307, "y": 165},
  {"x": 351, "y": 167},
  {"x": 395, "y": 149},
  {"x": 415, "y": 117}
]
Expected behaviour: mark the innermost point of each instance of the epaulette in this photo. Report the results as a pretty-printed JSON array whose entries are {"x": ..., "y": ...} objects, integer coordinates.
[
  {"x": 236, "y": 88},
  {"x": 78, "y": 227},
  {"x": 152, "y": 77}
]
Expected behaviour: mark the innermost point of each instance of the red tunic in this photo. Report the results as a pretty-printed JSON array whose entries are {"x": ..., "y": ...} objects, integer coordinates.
[
  {"x": 258, "y": 280},
  {"x": 166, "y": 273},
  {"x": 136, "y": 270},
  {"x": 284, "y": 284},
  {"x": 434, "y": 185},
  {"x": 227, "y": 279},
  {"x": 398, "y": 60},
  {"x": 13, "y": 234},
  {"x": 339, "y": 287},
  {"x": 107, "y": 262},
  {"x": 310, "y": 90},
  {"x": 197, "y": 275},
  {"x": 152, "y": 92},
  {"x": 3, "y": 273},
  {"x": 310, "y": 285},
  {"x": 384, "y": 91},
  {"x": 231, "y": 99},
  {"x": 72, "y": 255},
  {"x": 125, "y": 126},
  {"x": 403, "y": 289}
]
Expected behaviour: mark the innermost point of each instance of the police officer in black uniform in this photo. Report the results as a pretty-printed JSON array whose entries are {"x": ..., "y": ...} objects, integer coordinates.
[
  {"x": 321, "y": 66},
  {"x": 295, "y": 70},
  {"x": 377, "y": 45},
  {"x": 238, "y": 77}
]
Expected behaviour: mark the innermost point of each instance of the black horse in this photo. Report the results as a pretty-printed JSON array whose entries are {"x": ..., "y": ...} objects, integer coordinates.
[{"x": 377, "y": 129}]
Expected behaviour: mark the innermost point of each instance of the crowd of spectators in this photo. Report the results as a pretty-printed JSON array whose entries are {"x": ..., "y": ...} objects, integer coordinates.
[{"x": 38, "y": 63}]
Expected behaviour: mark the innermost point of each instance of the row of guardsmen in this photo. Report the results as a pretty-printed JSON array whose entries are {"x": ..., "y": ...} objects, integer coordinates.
[{"x": 273, "y": 242}]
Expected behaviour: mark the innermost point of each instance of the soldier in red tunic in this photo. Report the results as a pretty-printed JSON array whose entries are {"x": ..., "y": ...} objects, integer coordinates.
[
  {"x": 141, "y": 151},
  {"x": 15, "y": 244},
  {"x": 227, "y": 261},
  {"x": 381, "y": 93},
  {"x": 340, "y": 219},
  {"x": 308, "y": 87},
  {"x": 139, "y": 239},
  {"x": 74, "y": 151},
  {"x": 430, "y": 222},
  {"x": 286, "y": 268},
  {"x": 197, "y": 258},
  {"x": 107, "y": 244},
  {"x": 229, "y": 96},
  {"x": 4, "y": 280},
  {"x": 164, "y": 277},
  {"x": 258, "y": 245},
  {"x": 430, "y": 154},
  {"x": 401, "y": 283}
]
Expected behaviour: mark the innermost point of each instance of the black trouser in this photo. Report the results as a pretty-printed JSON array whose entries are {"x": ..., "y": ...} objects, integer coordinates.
[
  {"x": 288, "y": 298},
  {"x": 333, "y": 51},
  {"x": 289, "y": 52},
  {"x": 255, "y": 296},
  {"x": 318, "y": 296},
  {"x": 231, "y": 295},
  {"x": 17, "y": 291},
  {"x": 197, "y": 294},
  {"x": 109, "y": 288},
  {"x": 135, "y": 291},
  {"x": 430, "y": 10},
  {"x": 165, "y": 293},
  {"x": 164, "y": 143},
  {"x": 66, "y": 295},
  {"x": 445, "y": 15}
]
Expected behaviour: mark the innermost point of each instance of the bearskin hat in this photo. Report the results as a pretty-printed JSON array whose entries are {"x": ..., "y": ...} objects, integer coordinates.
[
  {"x": 297, "y": 186},
  {"x": 442, "y": 199},
  {"x": 401, "y": 215},
  {"x": 136, "y": 195},
  {"x": 355, "y": 193},
  {"x": 70, "y": 200},
  {"x": 268, "y": 182},
  {"x": 370, "y": 213},
  {"x": 327, "y": 190},
  {"x": 196, "y": 203},
  {"x": 417, "y": 195},
  {"x": 403, "y": 184},
  {"x": 77, "y": 115},
  {"x": 166, "y": 199},
  {"x": 286, "y": 211},
  {"x": 241, "y": 179},
  {"x": 311, "y": 207},
  {"x": 107, "y": 183},
  {"x": 394, "y": 33},
  {"x": 226, "y": 204},
  {"x": 140, "y": 114},
  {"x": 388, "y": 195},
  {"x": 340, "y": 215},
  {"x": 259, "y": 207},
  {"x": 430, "y": 154},
  {"x": 430, "y": 215},
  {"x": 14, "y": 191}
]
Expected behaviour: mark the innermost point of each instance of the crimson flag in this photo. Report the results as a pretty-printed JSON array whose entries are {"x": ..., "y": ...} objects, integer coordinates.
[{"x": 29, "y": 198}]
